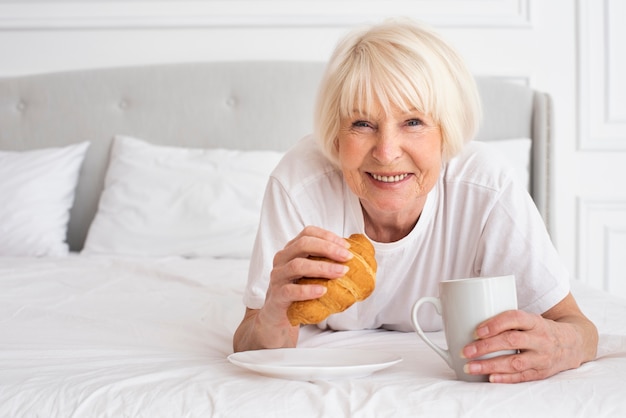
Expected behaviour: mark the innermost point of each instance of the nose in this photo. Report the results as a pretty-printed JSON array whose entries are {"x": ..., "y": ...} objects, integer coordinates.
[{"x": 387, "y": 148}]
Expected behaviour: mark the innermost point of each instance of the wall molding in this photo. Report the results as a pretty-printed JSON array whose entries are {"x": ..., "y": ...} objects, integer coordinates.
[
  {"x": 602, "y": 235},
  {"x": 158, "y": 14},
  {"x": 602, "y": 84}
]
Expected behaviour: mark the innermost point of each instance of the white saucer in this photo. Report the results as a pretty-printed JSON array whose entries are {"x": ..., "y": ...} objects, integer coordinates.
[{"x": 314, "y": 363}]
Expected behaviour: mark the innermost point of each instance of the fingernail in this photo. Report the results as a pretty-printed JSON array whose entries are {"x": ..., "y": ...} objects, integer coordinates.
[
  {"x": 340, "y": 269},
  {"x": 472, "y": 368},
  {"x": 320, "y": 290},
  {"x": 468, "y": 351},
  {"x": 482, "y": 331},
  {"x": 346, "y": 254}
]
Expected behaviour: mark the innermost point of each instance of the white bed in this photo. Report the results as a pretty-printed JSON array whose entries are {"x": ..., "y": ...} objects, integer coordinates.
[{"x": 137, "y": 320}]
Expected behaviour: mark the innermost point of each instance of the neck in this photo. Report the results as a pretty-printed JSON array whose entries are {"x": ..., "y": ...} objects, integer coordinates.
[{"x": 385, "y": 227}]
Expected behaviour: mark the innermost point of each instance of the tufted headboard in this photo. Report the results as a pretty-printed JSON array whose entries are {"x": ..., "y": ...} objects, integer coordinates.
[{"x": 238, "y": 105}]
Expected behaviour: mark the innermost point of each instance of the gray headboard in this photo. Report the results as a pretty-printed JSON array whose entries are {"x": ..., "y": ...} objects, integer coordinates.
[
  {"x": 240, "y": 105},
  {"x": 515, "y": 111}
]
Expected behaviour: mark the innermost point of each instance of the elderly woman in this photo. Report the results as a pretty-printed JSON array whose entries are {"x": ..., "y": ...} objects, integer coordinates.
[{"x": 391, "y": 157}]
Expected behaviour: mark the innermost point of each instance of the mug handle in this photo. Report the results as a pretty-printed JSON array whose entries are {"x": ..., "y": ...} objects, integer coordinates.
[{"x": 436, "y": 302}]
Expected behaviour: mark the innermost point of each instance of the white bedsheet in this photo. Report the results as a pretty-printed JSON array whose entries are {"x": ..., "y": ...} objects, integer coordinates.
[{"x": 114, "y": 337}]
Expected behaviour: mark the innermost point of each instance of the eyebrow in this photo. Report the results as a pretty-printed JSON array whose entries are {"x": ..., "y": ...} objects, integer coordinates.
[{"x": 359, "y": 112}]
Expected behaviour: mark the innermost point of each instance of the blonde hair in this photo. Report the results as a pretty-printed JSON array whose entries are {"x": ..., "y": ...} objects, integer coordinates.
[{"x": 398, "y": 63}]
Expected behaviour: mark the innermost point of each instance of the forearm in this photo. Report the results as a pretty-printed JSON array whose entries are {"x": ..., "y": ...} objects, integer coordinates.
[{"x": 255, "y": 333}]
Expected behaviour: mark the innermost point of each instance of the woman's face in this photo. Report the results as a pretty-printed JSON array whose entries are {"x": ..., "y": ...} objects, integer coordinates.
[{"x": 390, "y": 161}]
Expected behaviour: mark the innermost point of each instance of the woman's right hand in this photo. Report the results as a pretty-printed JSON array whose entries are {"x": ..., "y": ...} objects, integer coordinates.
[
  {"x": 293, "y": 262},
  {"x": 269, "y": 327}
]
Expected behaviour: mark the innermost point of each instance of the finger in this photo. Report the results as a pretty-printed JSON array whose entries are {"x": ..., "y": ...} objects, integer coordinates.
[
  {"x": 305, "y": 246},
  {"x": 298, "y": 292},
  {"x": 525, "y": 376},
  {"x": 308, "y": 267},
  {"x": 283, "y": 291},
  {"x": 279, "y": 298},
  {"x": 321, "y": 233},
  {"x": 508, "y": 320},
  {"x": 508, "y": 340},
  {"x": 512, "y": 368},
  {"x": 325, "y": 234}
]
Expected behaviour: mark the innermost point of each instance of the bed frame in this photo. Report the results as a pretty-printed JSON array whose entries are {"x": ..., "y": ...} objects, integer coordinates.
[{"x": 239, "y": 105}]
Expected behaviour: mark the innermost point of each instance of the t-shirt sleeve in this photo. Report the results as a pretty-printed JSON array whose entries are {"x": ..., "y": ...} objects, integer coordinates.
[
  {"x": 279, "y": 223},
  {"x": 514, "y": 240}
]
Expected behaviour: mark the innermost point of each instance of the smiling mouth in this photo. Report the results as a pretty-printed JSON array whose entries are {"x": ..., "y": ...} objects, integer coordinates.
[{"x": 389, "y": 179}]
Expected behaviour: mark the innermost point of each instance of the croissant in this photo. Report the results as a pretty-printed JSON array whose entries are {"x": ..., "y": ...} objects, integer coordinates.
[{"x": 356, "y": 285}]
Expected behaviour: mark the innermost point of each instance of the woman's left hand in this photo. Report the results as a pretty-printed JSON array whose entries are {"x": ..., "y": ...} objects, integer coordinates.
[{"x": 560, "y": 339}]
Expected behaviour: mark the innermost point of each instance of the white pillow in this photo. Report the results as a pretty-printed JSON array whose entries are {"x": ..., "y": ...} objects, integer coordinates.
[
  {"x": 162, "y": 200},
  {"x": 517, "y": 152},
  {"x": 37, "y": 191}
]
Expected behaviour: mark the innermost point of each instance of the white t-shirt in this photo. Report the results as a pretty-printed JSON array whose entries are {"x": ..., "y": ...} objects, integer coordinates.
[{"x": 477, "y": 221}]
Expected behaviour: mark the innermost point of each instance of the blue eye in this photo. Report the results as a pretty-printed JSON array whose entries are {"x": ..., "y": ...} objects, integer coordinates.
[
  {"x": 414, "y": 122},
  {"x": 360, "y": 124}
]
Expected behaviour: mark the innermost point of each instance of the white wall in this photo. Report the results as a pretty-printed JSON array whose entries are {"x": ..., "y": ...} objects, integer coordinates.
[
  {"x": 598, "y": 165},
  {"x": 567, "y": 48}
]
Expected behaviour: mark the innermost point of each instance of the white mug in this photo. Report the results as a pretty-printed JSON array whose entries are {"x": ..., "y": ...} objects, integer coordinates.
[{"x": 463, "y": 304}]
